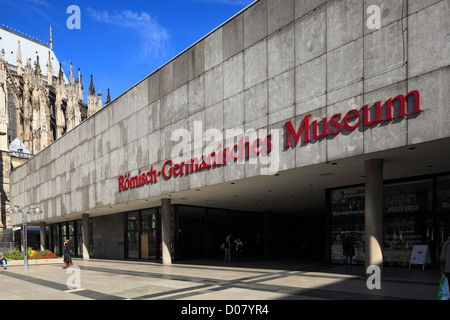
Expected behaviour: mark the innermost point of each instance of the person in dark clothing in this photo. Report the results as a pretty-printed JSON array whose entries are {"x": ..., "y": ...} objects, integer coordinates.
[
  {"x": 67, "y": 254},
  {"x": 239, "y": 249},
  {"x": 348, "y": 247},
  {"x": 227, "y": 249},
  {"x": 445, "y": 258}
]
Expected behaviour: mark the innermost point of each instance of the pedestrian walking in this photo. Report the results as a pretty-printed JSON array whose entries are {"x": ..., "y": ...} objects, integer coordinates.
[{"x": 67, "y": 254}]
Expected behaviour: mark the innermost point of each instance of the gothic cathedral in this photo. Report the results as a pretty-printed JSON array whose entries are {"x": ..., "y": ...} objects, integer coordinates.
[{"x": 38, "y": 104}]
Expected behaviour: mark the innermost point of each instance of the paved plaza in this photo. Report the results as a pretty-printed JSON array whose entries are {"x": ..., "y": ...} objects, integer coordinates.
[{"x": 211, "y": 280}]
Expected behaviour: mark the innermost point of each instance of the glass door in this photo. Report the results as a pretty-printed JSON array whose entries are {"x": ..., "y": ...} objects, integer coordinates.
[
  {"x": 71, "y": 236},
  {"x": 133, "y": 240},
  {"x": 79, "y": 238},
  {"x": 150, "y": 234},
  {"x": 64, "y": 235},
  {"x": 56, "y": 239}
]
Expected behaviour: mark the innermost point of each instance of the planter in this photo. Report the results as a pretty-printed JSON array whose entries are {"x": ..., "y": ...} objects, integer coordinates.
[{"x": 13, "y": 263}]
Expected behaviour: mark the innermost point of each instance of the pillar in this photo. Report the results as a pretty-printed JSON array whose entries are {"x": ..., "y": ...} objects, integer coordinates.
[
  {"x": 43, "y": 236},
  {"x": 85, "y": 236},
  {"x": 374, "y": 213},
  {"x": 166, "y": 232},
  {"x": 50, "y": 246},
  {"x": 266, "y": 234}
]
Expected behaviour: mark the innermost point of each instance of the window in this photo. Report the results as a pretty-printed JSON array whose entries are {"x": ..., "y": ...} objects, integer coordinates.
[
  {"x": 443, "y": 194},
  {"x": 347, "y": 216},
  {"x": 407, "y": 207},
  {"x": 133, "y": 230},
  {"x": 407, "y": 210}
]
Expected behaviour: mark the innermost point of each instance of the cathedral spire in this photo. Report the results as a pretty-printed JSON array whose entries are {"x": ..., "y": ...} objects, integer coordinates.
[
  {"x": 91, "y": 86},
  {"x": 49, "y": 70},
  {"x": 80, "y": 85},
  {"x": 51, "y": 40},
  {"x": 93, "y": 103},
  {"x": 99, "y": 100},
  {"x": 60, "y": 75},
  {"x": 19, "y": 59},
  {"x": 71, "y": 78},
  {"x": 38, "y": 67}
]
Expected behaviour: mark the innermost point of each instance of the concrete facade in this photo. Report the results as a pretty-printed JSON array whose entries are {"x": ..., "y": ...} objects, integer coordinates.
[{"x": 274, "y": 62}]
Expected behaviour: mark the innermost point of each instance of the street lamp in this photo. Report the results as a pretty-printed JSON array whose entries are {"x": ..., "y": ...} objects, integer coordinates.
[{"x": 16, "y": 209}]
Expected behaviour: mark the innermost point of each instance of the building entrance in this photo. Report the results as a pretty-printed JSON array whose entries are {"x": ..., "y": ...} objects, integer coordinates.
[
  {"x": 201, "y": 231},
  {"x": 297, "y": 237},
  {"x": 143, "y": 234}
]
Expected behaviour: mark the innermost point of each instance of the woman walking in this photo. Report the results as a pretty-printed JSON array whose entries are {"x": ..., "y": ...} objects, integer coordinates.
[{"x": 67, "y": 254}]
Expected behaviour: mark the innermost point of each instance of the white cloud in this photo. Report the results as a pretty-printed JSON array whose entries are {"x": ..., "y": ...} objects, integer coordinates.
[
  {"x": 42, "y": 3},
  {"x": 153, "y": 37}
]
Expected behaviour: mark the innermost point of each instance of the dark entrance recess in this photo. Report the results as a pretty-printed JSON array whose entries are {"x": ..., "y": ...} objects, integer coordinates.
[
  {"x": 297, "y": 237},
  {"x": 200, "y": 232}
]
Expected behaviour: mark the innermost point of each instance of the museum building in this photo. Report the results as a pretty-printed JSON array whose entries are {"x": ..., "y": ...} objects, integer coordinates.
[{"x": 289, "y": 126}]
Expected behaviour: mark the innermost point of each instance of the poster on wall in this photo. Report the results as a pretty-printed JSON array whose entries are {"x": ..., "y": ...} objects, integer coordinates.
[{"x": 348, "y": 202}]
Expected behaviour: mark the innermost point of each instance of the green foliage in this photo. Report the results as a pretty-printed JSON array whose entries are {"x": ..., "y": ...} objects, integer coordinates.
[
  {"x": 32, "y": 254},
  {"x": 14, "y": 255}
]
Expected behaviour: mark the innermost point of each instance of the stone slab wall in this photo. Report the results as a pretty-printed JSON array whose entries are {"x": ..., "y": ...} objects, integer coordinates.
[{"x": 277, "y": 61}]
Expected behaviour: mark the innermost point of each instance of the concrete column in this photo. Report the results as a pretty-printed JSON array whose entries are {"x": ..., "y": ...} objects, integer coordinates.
[
  {"x": 374, "y": 213},
  {"x": 266, "y": 234},
  {"x": 50, "y": 239},
  {"x": 166, "y": 232},
  {"x": 43, "y": 237},
  {"x": 85, "y": 236}
]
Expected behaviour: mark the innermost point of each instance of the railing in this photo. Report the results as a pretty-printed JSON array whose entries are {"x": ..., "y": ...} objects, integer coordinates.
[
  {"x": 6, "y": 246},
  {"x": 21, "y": 154}
]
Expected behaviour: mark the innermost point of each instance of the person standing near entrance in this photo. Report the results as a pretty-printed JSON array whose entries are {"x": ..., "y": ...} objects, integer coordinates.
[
  {"x": 67, "y": 254},
  {"x": 348, "y": 247},
  {"x": 239, "y": 249},
  {"x": 227, "y": 249},
  {"x": 445, "y": 258}
]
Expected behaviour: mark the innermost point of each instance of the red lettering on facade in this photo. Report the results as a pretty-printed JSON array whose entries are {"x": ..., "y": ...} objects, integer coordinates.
[
  {"x": 126, "y": 182},
  {"x": 242, "y": 150},
  {"x": 291, "y": 131},
  {"x": 352, "y": 114},
  {"x": 352, "y": 120}
]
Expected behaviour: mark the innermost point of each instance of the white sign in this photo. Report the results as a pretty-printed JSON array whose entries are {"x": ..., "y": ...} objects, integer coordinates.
[{"x": 420, "y": 255}]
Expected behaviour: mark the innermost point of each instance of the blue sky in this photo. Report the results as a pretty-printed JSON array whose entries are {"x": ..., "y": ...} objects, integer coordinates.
[{"x": 119, "y": 42}]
